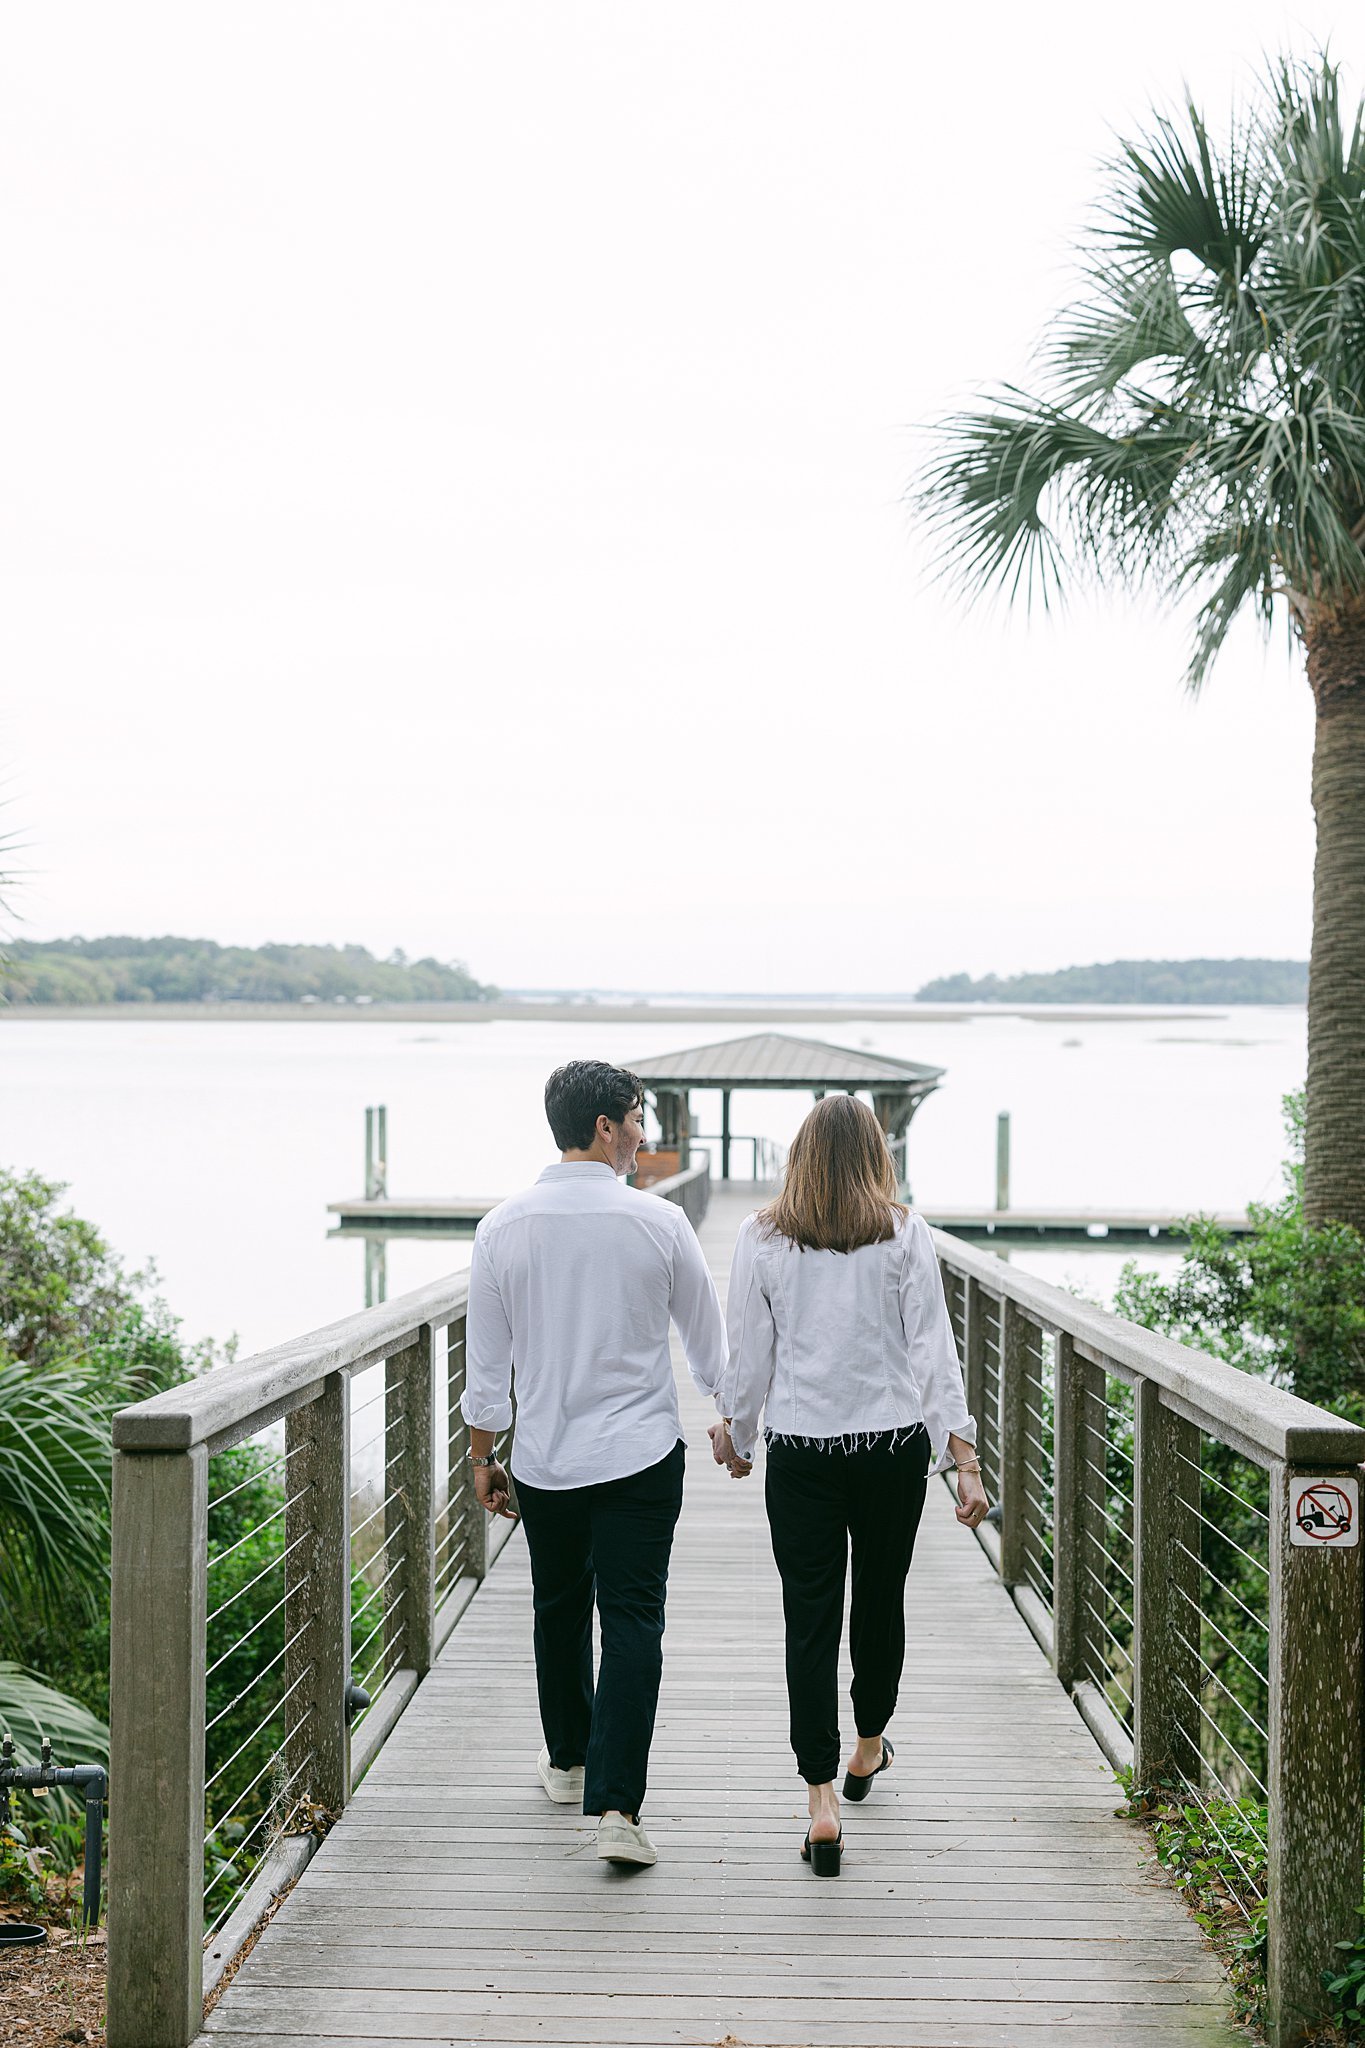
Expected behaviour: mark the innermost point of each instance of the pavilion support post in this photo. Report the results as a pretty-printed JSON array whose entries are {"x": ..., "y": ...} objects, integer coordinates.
[
  {"x": 684, "y": 1103},
  {"x": 725, "y": 1134}
]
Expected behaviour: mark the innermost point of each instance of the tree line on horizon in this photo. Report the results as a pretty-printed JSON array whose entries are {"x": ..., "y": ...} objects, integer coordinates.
[
  {"x": 173, "y": 970},
  {"x": 1133, "y": 981}
]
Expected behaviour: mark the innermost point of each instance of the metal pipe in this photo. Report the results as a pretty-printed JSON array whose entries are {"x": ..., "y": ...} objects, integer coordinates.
[
  {"x": 91, "y": 1781},
  {"x": 1002, "y": 1160}
]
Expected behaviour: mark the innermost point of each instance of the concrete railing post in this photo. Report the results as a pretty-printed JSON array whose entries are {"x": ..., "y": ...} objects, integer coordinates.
[
  {"x": 1315, "y": 1753},
  {"x": 156, "y": 1761}
]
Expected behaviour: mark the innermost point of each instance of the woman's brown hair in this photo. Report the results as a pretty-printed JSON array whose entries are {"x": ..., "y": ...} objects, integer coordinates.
[{"x": 840, "y": 1185}]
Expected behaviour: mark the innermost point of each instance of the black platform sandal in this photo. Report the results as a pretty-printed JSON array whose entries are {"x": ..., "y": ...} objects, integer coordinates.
[
  {"x": 858, "y": 1788},
  {"x": 823, "y": 1857}
]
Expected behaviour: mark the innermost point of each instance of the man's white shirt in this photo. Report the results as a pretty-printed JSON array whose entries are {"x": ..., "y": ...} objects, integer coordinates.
[{"x": 571, "y": 1290}]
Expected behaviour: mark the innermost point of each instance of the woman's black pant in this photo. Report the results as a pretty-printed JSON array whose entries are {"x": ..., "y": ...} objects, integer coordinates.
[{"x": 819, "y": 1499}]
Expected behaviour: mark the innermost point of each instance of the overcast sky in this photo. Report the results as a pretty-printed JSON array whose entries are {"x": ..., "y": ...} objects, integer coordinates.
[{"x": 453, "y": 471}]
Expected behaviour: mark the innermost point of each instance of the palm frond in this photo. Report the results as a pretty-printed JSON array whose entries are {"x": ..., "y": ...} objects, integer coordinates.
[
  {"x": 54, "y": 1490},
  {"x": 1172, "y": 196},
  {"x": 1240, "y": 557},
  {"x": 1132, "y": 320},
  {"x": 1006, "y": 483},
  {"x": 1298, "y": 474},
  {"x": 30, "y": 1709},
  {"x": 1201, "y": 410}
]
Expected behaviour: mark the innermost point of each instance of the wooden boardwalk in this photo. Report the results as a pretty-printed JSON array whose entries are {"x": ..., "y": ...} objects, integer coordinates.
[{"x": 990, "y": 1897}]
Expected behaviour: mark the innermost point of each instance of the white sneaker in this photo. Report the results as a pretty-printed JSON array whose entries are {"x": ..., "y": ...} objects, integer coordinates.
[
  {"x": 623, "y": 1841},
  {"x": 564, "y": 1787}
]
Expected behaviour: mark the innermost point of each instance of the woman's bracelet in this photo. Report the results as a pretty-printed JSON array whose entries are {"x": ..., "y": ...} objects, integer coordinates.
[{"x": 973, "y": 1466}]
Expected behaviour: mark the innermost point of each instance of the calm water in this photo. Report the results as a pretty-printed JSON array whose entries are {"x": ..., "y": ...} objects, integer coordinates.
[{"x": 214, "y": 1148}]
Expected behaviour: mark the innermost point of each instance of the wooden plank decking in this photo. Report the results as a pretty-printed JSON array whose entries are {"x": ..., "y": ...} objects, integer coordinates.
[{"x": 990, "y": 1897}]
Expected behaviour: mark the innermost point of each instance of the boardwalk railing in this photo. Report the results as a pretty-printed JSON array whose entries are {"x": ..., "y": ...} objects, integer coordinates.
[
  {"x": 1153, "y": 1530},
  {"x": 294, "y": 1538}
]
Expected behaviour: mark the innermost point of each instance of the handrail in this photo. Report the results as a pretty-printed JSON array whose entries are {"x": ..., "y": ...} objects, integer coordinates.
[
  {"x": 1265, "y": 1420},
  {"x": 383, "y": 1541},
  {"x": 1148, "y": 1522},
  {"x": 234, "y": 1401},
  {"x": 690, "y": 1189},
  {"x": 345, "y": 1549}
]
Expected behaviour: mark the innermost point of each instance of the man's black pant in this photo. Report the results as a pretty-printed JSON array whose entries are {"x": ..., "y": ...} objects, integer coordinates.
[
  {"x": 818, "y": 1498},
  {"x": 613, "y": 1539}
]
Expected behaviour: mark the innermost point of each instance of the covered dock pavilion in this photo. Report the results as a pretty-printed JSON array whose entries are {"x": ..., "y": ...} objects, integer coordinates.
[{"x": 773, "y": 1059}]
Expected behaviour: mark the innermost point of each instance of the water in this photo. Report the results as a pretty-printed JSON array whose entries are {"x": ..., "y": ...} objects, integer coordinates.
[{"x": 213, "y": 1148}]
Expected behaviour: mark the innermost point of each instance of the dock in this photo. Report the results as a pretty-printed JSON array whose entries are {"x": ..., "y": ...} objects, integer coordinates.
[
  {"x": 991, "y": 1898},
  {"x": 459, "y": 1216}
]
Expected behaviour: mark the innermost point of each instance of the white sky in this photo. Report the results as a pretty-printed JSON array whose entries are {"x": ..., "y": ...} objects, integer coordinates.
[{"x": 453, "y": 459}]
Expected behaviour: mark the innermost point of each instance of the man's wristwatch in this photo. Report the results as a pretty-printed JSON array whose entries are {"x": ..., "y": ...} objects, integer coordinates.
[{"x": 481, "y": 1461}]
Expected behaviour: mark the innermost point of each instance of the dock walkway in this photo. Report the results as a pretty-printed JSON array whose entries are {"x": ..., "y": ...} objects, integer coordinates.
[{"x": 990, "y": 1896}]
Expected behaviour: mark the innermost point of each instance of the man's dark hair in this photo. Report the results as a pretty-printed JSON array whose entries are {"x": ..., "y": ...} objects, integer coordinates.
[{"x": 577, "y": 1094}]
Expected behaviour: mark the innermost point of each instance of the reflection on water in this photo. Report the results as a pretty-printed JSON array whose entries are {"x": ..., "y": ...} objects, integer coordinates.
[{"x": 214, "y": 1148}]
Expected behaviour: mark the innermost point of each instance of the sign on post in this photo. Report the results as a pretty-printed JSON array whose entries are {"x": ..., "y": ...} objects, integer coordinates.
[{"x": 1324, "y": 1513}]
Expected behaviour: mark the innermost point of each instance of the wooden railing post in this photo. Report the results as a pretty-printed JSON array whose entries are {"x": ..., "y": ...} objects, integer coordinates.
[
  {"x": 1165, "y": 1590},
  {"x": 412, "y": 1371},
  {"x": 461, "y": 1480},
  {"x": 156, "y": 1764},
  {"x": 1315, "y": 1760},
  {"x": 1014, "y": 1332},
  {"x": 975, "y": 1369},
  {"x": 1067, "y": 1498},
  {"x": 318, "y": 1587}
]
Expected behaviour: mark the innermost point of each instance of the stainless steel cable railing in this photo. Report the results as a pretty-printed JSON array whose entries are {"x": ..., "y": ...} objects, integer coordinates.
[
  {"x": 295, "y": 1535},
  {"x": 1145, "y": 1526}
]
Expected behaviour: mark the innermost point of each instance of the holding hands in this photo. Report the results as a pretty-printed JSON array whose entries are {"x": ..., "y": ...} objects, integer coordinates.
[{"x": 724, "y": 1452}]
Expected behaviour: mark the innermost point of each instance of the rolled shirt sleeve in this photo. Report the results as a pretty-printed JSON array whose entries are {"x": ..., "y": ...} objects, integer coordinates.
[
  {"x": 748, "y": 1377},
  {"x": 486, "y": 1402},
  {"x": 934, "y": 1363},
  {"x": 695, "y": 1308}
]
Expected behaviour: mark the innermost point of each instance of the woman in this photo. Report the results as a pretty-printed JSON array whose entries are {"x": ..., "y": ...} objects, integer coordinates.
[{"x": 840, "y": 1342}]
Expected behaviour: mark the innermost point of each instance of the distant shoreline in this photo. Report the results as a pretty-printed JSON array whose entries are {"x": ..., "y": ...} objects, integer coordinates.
[{"x": 737, "y": 1013}]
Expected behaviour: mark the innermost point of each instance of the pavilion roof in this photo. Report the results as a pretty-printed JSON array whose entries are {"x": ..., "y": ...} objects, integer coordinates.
[{"x": 772, "y": 1059}]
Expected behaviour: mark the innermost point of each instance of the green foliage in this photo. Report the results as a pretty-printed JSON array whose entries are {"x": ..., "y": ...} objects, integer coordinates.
[
  {"x": 1215, "y": 1852},
  {"x": 1133, "y": 981},
  {"x": 245, "y": 1642},
  {"x": 171, "y": 970},
  {"x": 1345, "y": 1985},
  {"x": 1288, "y": 1301},
  {"x": 78, "y": 1339},
  {"x": 1201, "y": 417}
]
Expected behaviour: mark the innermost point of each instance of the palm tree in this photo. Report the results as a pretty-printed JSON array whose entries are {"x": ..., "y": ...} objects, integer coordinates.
[{"x": 1201, "y": 428}]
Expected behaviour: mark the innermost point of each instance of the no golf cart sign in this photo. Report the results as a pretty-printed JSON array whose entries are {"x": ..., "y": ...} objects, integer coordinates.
[{"x": 1325, "y": 1513}]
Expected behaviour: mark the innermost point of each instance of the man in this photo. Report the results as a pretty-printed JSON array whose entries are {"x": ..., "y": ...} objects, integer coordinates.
[{"x": 571, "y": 1291}]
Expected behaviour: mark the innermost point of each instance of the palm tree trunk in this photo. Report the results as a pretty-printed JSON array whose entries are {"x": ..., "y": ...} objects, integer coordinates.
[{"x": 1334, "y": 1163}]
